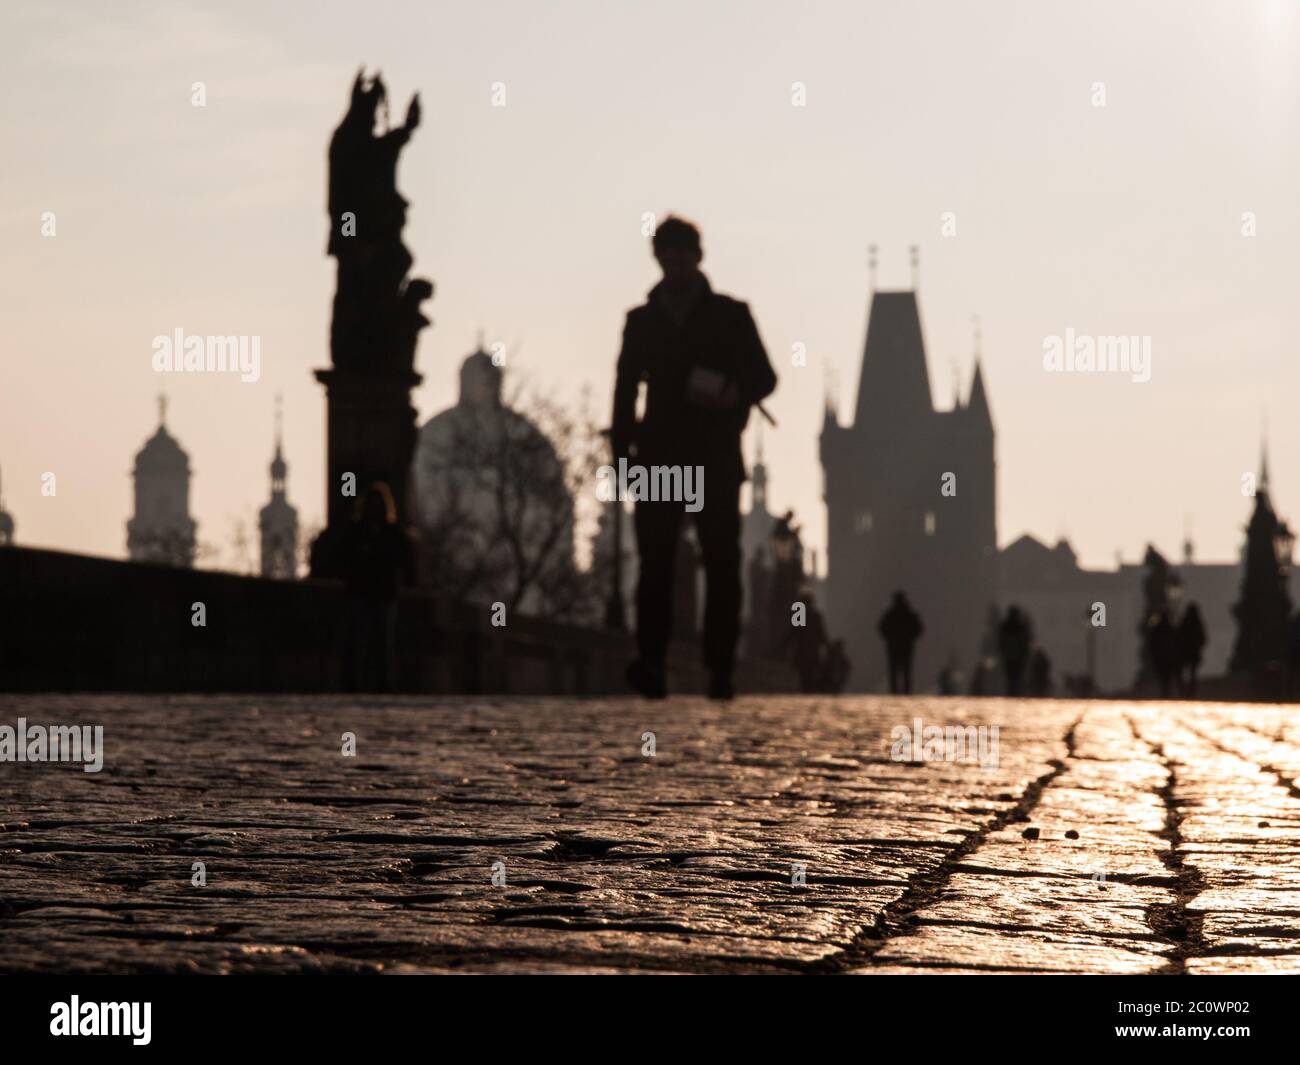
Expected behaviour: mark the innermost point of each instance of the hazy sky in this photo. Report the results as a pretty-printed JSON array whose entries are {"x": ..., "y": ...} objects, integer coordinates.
[{"x": 1122, "y": 219}]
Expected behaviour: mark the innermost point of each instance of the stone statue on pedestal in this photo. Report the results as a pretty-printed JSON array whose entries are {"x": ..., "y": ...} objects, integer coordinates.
[{"x": 377, "y": 317}]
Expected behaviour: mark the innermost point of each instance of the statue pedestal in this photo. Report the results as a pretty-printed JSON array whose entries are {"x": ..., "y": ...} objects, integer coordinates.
[{"x": 370, "y": 433}]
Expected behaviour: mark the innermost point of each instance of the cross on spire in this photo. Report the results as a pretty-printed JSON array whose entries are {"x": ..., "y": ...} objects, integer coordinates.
[
  {"x": 871, "y": 265},
  {"x": 162, "y": 409},
  {"x": 916, "y": 266}
]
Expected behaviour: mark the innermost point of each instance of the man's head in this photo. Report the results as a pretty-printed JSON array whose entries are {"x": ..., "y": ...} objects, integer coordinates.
[{"x": 678, "y": 252}]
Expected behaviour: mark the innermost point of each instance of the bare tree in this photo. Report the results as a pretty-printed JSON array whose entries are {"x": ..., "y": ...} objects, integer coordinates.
[{"x": 503, "y": 494}]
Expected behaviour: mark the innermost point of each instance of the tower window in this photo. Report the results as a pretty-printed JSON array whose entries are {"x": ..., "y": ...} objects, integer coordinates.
[
  {"x": 863, "y": 522},
  {"x": 929, "y": 523}
]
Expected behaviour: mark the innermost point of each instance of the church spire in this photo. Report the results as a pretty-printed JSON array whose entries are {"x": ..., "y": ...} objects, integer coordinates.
[
  {"x": 279, "y": 468},
  {"x": 278, "y": 520}
]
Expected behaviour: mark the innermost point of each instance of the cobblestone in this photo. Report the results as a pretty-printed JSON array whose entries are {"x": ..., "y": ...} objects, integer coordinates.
[{"x": 1168, "y": 837}]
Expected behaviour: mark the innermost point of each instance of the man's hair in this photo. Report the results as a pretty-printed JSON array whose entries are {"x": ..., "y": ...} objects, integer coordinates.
[{"x": 676, "y": 233}]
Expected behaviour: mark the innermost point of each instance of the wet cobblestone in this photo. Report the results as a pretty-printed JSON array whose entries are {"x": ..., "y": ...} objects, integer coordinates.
[{"x": 1168, "y": 837}]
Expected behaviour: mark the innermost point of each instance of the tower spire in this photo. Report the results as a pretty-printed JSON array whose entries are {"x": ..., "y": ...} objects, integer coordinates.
[
  {"x": 978, "y": 403},
  {"x": 1263, "y": 456},
  {"x": 916, "y": 266},
  {"x": 279, "y": 468},
  {"x": 871, "y": 265},
  {"x": 162, "y": 410}
]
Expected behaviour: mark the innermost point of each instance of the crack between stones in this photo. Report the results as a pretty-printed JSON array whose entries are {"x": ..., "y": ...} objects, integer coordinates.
[
  {"x": 899, "y": 918},
  {"x": 1174, "y": 921},
  {"x": 1285, "y": 781}
]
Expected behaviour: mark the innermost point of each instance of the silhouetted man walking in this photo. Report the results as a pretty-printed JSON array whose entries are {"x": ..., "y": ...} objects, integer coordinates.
[
  {"x": 901, "y": 627},
  {"x": 704, "y": 366}
]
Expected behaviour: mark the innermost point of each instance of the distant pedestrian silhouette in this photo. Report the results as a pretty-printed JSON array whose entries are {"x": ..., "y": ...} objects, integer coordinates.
[
  {"x": 901, "y": 627},
  {"x": 1014, "y": 641},
  {"x": 1191, "y": 644},
  {"x": 810, "y": 646},
  {"x": 377, "y": 561},
  {"x": 1162, "y": 644},
  {"x": 704, "y": 366}
]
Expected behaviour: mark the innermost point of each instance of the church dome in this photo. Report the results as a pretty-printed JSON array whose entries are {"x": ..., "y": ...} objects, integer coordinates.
[
  {"x": 161, "y": 453},
  {"x": 480, "y": 381},
  {"x": 477, "y": 436},
  {"x": 481, "y": 468}
]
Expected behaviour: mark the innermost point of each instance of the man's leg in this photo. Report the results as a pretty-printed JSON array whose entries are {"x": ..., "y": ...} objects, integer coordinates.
[
  {"x": 907, "y": 672},
  {"x": 657, "y": 527},
  {"x": 893, "y": 671},
  {"x": 718, "y": 526}
]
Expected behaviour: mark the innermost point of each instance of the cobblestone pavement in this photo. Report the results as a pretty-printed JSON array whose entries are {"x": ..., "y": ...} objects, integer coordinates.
[{"x": 1108, "y": 838}]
